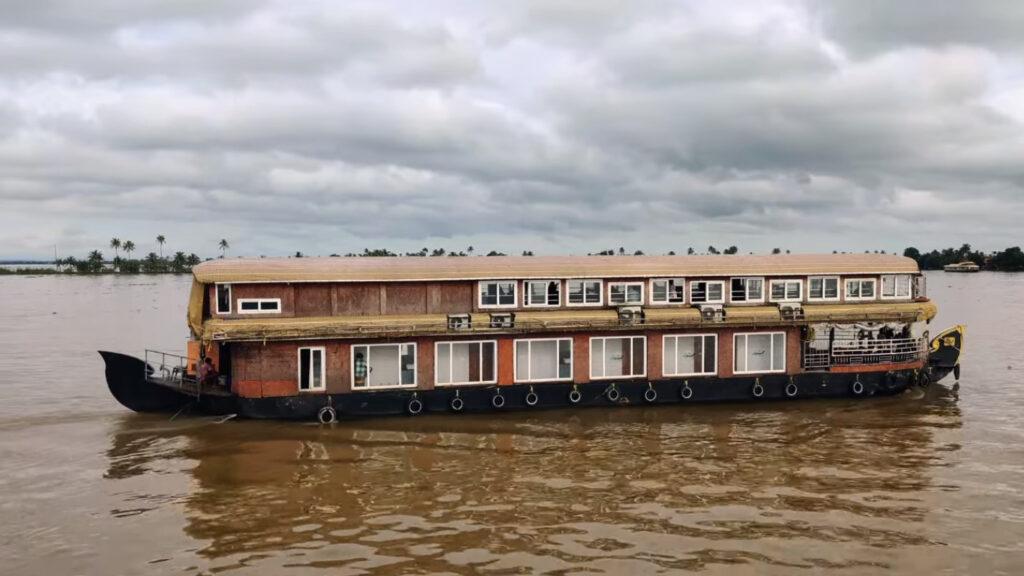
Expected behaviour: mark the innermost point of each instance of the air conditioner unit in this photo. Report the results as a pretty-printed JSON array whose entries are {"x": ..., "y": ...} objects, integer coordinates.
[
  {"x": 791, "y": 311},
  {"x": 503, "y": 319},
  {"x": 711, "y": 312},
  {"x": 460, "y": 322},
  {"x": 631, "y": 315}
]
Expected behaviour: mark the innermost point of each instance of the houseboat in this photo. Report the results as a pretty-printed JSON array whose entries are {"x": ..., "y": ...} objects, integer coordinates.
[
  {"x": 965, "y": 266},
  {"x": 329, "y": 338}
]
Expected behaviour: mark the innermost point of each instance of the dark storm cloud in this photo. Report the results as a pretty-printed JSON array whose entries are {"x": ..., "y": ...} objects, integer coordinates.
[{"x": 536, "y": 124}]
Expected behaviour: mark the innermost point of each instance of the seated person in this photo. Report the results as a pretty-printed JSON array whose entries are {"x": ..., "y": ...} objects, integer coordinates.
[{"x": 207, "y": 372}]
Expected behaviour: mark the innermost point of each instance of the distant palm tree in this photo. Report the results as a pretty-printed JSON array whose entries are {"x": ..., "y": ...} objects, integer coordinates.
[
  {"x": 115, "y": 243},
  {"x": 129, "y": 247},
  {"x": 469, "y": 250},
  {"x": 223, "y": 245},
  {"x": 160, "y": 240}
]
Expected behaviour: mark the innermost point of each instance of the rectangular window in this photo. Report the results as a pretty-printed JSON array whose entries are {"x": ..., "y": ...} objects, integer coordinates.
[
  {"x": 860, "y": 289},
  {"x": 823, "y": 288},
  {"x": 584, "y": 292},
  {"x": 896, "y": 286},
  {"x": 500, "y": 294},
  {"x": 625, "y": 293},
  {"x": 259, "y": 305},
  {"x": 747, "y": 290},
  {"x": 223, "y": 298},
  {"x": 618, "y": 357},
  {"x": 383, "y": 366},
  {"x": 759, "y": 352},
  {"x": 542, "y": 360},
  {"x": 707, "y": 292},
  {"x": 465, "y": 363},
  {"x": 690, "y": 355},
  {"x": 668, "y": 291},
  {"x": 312, "y": 368},
  {"x": 786, "y": 290},
  {"x": 543, "y": 293}
]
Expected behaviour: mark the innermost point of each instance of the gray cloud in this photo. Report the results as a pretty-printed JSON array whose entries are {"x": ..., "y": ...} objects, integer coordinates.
[{"x": 550, "y": 126}]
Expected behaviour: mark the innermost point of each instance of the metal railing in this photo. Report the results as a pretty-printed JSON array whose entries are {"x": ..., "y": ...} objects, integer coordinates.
[
  {"x": 821, "y": 354},
  {"x": 170, "y": 370}
]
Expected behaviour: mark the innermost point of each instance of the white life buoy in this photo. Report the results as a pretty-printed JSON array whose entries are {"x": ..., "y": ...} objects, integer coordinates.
[
  {"x": 792, "y": 390},
  {"x": 498, "y": 401},
  {"x": 758, "y": 389},
  {"x": 686, "y": 392},
  {"x": 532, "y": 398},
  {"x": 612, "y": 394},
  {"x": 575, "y": 396},
  {"x": 457, "y": 404},
  {"x": 415, "y": 406},
  {"x": 650, "y": 394},
  {"x": 857, "y": 387}
]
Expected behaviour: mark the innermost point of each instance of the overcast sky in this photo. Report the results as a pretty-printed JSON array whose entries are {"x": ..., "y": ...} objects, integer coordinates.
[{"x": 555, "y": 126}]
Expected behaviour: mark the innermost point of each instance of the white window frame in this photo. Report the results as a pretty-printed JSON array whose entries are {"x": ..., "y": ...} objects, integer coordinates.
[
  {"x": 896, "y": 287},
  {"x": 216, "y": 298},
  {"x": 323, "y": 368},
  {"x": 451, "y": 362},
  {"x": 625, "y": 292},
  {"x": 529, "y": 360},
  {"x": 352, "y": 366},
  {"x": 846, "y": 289},
  {"x": 526, "y": 293},
  {"x": 693, "y": 283},
  {"x": 259, "y": 305},
  {"x": 785, "y": 289},
  {"x": 584, "y": 281},
  {"x": 772, "y": 369},
  {"x": 664, "y": 355},
  {"x": 746, "y": 290},
  {"x": 668, "y": 281},
  {"x": 604, "y": 364},
  {"x": 824, "y": 298},
  {"x": 480, "y": 294}
]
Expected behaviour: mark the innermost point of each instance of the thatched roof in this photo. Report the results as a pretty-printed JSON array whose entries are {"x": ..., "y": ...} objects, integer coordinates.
[{"x": 412, "y": 268}]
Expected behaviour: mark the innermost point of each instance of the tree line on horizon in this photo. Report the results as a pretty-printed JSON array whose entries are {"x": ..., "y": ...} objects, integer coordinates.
[
  {"x": 1009, "y": 260},
  {"x": 152, "y": 263}
]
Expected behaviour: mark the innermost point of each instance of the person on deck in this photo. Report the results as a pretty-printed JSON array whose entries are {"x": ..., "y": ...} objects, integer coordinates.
[
  {"x": 207, "y": 372},
  {"x": 359, "y": 369}
]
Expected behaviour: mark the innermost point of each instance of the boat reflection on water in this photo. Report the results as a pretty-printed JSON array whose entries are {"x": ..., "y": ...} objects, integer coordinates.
[{"x": 833, "y": 484}]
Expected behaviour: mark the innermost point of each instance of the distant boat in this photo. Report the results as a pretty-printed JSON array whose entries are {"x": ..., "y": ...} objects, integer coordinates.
[{"x": 965, "y": 266}]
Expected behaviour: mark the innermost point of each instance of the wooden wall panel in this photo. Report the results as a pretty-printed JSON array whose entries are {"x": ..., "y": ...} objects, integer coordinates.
[
  {"x": 425, "y": 363},
  {"x": 655, "y": 351},
  {"x": 339, "y": 371},
  {"x": 313, "y": 300},
  {"x": 451, "y": 298},
  {"x": 580, "y": 358},
  {"x": 506, "y": 361},
  {"x": 357, "y": 299},
  {"x": 406, "y": 298}
]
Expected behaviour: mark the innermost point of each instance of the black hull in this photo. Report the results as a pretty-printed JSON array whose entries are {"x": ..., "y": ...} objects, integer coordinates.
[
  {"x": 128, "y": 385},
  {"x": 594, "y": 394}
]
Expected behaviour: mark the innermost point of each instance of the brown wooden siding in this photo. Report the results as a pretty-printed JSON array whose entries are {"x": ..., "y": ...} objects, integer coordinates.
[{"x": 357, "y": 299}]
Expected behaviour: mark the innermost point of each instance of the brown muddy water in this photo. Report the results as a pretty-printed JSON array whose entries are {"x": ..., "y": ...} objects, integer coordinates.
[{"x": 921, "y": 483}]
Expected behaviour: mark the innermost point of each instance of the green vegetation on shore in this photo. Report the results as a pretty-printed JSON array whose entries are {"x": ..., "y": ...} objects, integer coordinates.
[{"x": 1009, "y": 260}]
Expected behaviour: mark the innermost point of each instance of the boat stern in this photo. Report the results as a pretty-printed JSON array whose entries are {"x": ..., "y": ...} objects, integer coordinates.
[{"x": 944, "y": 353}]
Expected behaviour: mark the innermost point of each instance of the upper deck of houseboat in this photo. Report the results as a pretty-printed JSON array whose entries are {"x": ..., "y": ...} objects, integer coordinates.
[{"x": 302, "y": 298}]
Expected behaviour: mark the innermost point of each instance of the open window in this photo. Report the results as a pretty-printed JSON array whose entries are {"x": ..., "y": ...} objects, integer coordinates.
[
  {"x": 223, "y": 299},
  {"x": 748, "y": 290},
  {"x": 668, "y": 291},
  {"x": 543, "y": 293},
  {"x": 383, "y": 366},
  {"x": 312, "y": 369},
  {"x": 707, "y": 292}
]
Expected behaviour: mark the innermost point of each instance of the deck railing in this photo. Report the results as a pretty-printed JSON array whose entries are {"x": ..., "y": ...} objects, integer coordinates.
[
  {"x": 821, "y": 355},
  {"x": 170, "y": 370}
]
